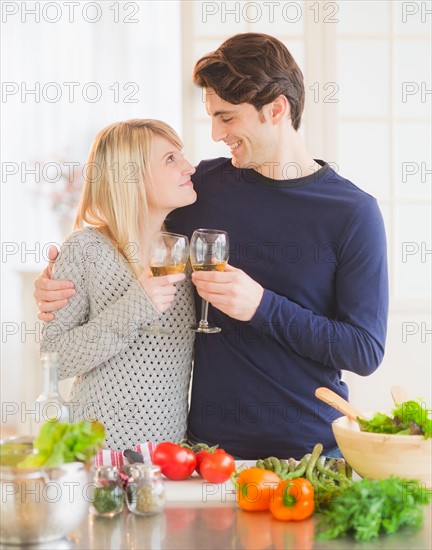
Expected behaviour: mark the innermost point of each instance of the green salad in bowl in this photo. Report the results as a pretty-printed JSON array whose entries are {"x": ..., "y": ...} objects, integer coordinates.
[{"x": 407, "y": 418}]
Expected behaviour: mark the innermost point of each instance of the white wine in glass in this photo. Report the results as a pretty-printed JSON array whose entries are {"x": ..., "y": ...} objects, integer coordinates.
[
  {"x": 169, "y": 254},
  {"x": 209, "y": 251},
  {"x": 161, "y": 270}
]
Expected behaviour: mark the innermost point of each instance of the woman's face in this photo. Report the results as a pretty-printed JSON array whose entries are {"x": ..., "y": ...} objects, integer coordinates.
[{"x": 171, "y": 176}]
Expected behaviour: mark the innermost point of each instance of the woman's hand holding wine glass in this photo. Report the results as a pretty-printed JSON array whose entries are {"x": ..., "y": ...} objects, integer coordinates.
[
  {"x": 160, "y": 290},
  {"x": 168, "y": 257}
]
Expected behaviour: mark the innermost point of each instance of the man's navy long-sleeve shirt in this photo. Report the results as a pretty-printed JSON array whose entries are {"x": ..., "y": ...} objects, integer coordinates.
[{"x": 317, "y": 246}]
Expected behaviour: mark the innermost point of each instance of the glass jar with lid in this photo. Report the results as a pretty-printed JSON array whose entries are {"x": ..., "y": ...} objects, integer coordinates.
[
  {"x": 145, "y": 491},
  {"x": 108, "y": 497}
]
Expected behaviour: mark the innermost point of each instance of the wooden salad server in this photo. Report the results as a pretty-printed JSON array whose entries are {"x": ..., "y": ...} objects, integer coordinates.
[
  {"x": 399, "y": 394},
  {"x": 338, "y": 403}
]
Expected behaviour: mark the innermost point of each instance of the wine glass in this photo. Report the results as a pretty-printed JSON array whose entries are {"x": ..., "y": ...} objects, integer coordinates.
[
  {"x": 209, "y": 251},
  {"x": 168, "y": 254}
]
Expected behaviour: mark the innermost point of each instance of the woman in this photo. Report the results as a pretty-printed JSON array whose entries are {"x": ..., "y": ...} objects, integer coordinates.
[{"x": 134, "y": 381}]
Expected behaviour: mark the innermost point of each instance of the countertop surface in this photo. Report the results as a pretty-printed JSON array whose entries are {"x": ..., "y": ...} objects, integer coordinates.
[
  {"x": 200, "y": 515},
  {"x": 223, "y": 526}
]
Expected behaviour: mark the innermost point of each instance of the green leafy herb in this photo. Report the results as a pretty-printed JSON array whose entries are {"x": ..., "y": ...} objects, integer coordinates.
[
  {"x": 59, "y": 442},
  {"x": 409, "y": 418},
  {"x": 107, "y": 500},
  {"x": 370, "y": 507}
]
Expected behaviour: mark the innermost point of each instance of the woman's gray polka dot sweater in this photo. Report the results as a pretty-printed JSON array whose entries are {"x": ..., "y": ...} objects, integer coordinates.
[{"x": 133, "y": 381}]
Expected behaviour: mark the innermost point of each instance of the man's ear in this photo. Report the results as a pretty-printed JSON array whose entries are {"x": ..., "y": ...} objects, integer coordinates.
[{"x": 280, "y": 109}]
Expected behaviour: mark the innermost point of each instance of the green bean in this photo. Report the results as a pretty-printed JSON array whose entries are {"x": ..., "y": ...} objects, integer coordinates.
[
  {"x": 301, "y": 468},
  {"x": 326, "y": 486},
  {"x": 317, "y": 450},
  {"x": 333, "y": 475},
  {"x": 311, "y": 475},
  {"x": 277, "y": 468},
  {"x": 320, "y": 465},
  {"x": 326, "y": 475},
  {"x": 341, "y": 467},
  {"x": 284, "y": 469},
  {"x": 292, "y": 464},
  {"x": 268, "y": 465},
  {"x": 330, "y": 464}
]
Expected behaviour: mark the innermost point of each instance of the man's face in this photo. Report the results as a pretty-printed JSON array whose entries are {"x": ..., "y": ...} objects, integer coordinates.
[{"x": 249, "y": 135}]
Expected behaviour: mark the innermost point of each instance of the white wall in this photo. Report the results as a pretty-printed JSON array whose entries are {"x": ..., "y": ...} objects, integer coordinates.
[{"x": 132, "y": 59}]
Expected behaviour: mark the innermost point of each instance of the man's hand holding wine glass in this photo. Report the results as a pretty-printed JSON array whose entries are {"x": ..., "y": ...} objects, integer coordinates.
[{"x": 232, "y": 291}]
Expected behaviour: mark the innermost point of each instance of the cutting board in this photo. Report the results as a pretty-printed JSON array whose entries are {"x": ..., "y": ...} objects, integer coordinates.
[{"x": 195, "y": 489}]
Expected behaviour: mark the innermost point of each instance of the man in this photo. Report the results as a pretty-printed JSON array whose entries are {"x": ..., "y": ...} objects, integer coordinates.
[{"x": 305, "y": 294}]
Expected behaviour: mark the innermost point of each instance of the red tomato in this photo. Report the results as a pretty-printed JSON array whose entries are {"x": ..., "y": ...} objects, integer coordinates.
[
  {"x": 217, "y": 467},
  {"x": 175, "y": 462},
  {"x": 201, "y": 455}
]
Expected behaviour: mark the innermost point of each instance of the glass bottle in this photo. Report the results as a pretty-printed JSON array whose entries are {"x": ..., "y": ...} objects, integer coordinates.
[
  {"x": 108, "y": 498},
  {"x": 145, "y": 491},
  {"x": 50, "y": 405}
]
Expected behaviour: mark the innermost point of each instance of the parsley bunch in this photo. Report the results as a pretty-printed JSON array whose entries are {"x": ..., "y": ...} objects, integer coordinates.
[{"x": 370, "y": 507}]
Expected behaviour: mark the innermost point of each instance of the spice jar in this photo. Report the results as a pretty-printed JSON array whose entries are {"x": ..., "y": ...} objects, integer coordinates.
[
  {"x": 145, "y": 491},
  {"x": 108, "y": 497}
]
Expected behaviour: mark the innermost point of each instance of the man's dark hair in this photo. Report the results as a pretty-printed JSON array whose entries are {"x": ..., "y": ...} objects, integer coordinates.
[{"x": 253, "y": 68}]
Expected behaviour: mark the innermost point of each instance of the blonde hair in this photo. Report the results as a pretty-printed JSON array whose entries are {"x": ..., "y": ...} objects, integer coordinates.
[{"x": 118, "y": 174}]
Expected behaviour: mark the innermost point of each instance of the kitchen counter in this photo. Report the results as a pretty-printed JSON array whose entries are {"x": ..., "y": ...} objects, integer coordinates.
[
  {"x": 224, "y": 526},
  {"x": 200, "y": 515}
]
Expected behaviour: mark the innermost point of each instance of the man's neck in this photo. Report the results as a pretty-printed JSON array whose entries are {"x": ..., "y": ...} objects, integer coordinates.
[{"x": 291, "y": 160}]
